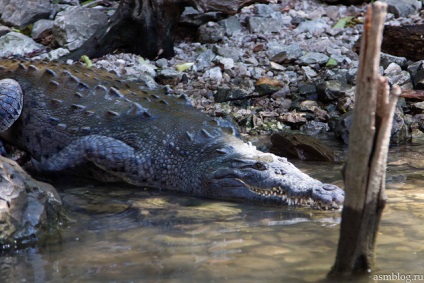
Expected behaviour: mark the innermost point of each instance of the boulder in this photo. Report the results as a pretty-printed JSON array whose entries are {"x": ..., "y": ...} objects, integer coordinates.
[
  {"x": 75, "y": 25},
  {"x": 20, "y": 13},
  {"x": 28, "y": 208},
  {"x": 15, "y": 43},
  {"x": 301, "y": 146}
]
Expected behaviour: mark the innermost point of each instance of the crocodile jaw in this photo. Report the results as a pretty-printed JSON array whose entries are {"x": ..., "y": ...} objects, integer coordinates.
[{"x": 262, "y": 177}]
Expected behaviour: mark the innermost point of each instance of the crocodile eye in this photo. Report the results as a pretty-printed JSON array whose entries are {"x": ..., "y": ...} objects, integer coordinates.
[{"x": 259, "y": 166}]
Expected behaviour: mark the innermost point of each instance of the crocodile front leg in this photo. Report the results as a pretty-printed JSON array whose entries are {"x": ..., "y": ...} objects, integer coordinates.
[
  {"x": 111, "y": 155},
  {"x": 11, "y": 102}
]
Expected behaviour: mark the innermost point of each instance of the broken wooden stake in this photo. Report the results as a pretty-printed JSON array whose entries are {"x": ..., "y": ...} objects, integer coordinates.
[{"x": 364, "y": 174}]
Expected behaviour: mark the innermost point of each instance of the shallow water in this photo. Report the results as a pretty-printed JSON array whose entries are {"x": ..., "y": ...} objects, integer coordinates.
[{"x": 127, "y": 235}]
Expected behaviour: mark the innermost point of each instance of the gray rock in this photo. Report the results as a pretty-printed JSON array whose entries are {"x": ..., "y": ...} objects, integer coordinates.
[
  {"x": 225, "y": 63},
  {"x": 395, "y": 75},
  {"x": 386, "y": 59},
  {"x": 15, "y": 43},
  {"x": 332, "y": 90},
  {"x": 204, "y": 60},
  {"x": 41, "y": 28},
  {"x": 162, "y": 63},
  {"x": 263, "y": 9},
  {"x": 213, "y": 74},
  {"x": 28, "y": 208},
  {"x": 417, "y": 72},
  {"x": 399, "y": 133},
  {"x": 308, "y": 90},
  {"x": 192, "y": 17},
  {"x": 20, "y": 13},
  {"x": 228, "y": 52},
  {"x": 311, "y": 58},
  {"x": 168, "y": 77},
  {"x": 314, "y": 27},
  {"x": 231, "y": 25},
  {"x": 4, "y": 30},
  {"x": 228, "y": 94},
  {"x": 53, "y": 55},
  {"x": 403, "y": 8},
  {"x": 284, "y": 53},
  {"x": 309, "y": 72},
  {"x": 210, "y": 32},
  {"x": 75, "y": 25},
  {"x": 264, "y": 24}
]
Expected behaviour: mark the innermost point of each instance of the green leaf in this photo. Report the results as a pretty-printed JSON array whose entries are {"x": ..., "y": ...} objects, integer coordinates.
[
  {"x": 331, "y": 63},
  {"x": 87, "y": 61},
  {"x": 183, "y": 67},
  {"x": 343, "y": 22}
]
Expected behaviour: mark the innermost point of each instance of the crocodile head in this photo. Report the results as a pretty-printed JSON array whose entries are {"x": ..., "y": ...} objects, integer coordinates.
[{"x": 246, "y": 173}]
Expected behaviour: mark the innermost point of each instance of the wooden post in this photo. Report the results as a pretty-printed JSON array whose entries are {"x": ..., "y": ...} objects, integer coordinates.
[{"x": 364, "y": 174}]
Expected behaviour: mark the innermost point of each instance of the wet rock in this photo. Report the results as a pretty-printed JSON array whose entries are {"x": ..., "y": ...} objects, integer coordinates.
[
  {"x": 417, "y": 72},
  {"x": 341, "y": 126},
  {"x": 301, "y": 146},
  {"x": 21, "y": 13},
  {"x": 168, "y": 77},
  {"x": 28, "y": 208},
  {"x": 314, "y": 128},
  {"x": 210, "y": 32},
  {"x": 332, "y": 90},
  {"x": 311, "y": 58},
  {"x": 403, "y": 8},
  {"x": 399, "y": 133},
  {"x": 231, "y": 25},
  {"x": 293, "y": 118},
  {"x": 41, "y": 28},
  {"x": 14, "y": 43},
  {"x": 75, "y": 25}
]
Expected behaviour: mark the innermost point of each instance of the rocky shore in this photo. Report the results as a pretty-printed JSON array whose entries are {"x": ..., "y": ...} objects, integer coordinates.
[
  {"x": 283, "y": 66},
  {"x": 286, "y": 65}
]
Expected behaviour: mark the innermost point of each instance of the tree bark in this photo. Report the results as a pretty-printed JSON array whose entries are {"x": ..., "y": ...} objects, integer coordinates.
[
  {"x": 404, "y": 41},
  {"x": 364, "y": 176},
  {"x": 147, "y": 27},
  {"x": 138, "y": 26}
]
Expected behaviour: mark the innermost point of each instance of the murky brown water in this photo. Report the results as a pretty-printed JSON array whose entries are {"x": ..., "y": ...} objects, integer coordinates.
[{"x": 126, "y": 235}]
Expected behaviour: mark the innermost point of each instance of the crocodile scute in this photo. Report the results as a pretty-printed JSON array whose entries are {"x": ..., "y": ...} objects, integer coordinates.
[{"x": 68, "y": 117}]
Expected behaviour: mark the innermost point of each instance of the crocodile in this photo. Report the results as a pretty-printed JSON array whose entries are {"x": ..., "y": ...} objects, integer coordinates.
[{"x": 72, "y": 118}]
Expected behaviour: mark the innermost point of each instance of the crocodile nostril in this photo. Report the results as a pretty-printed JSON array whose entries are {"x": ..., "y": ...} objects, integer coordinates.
[{"x": 329, "y": 187}]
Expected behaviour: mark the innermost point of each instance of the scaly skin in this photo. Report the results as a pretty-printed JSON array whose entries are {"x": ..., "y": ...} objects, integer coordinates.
[{"x": 75, "y": 118}]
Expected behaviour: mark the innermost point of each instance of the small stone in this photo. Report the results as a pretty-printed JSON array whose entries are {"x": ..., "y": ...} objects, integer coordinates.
[
  {"x": 204, "y": 60},
  {"x": 226, "y": 63},
  {"x": 210, "y": 32},
  {"x": 266, "y": 86},
  {"x": 168, "y": 77},
  {"x": 162, "y": 63},
  {"x": 213, "y": 74},
  {"x": 228, "y": 52},
  {"x": 331, "y": 90},
  {"x": 284, "y": 53},
  {"x": 231, "y": 25},
  {"x": 227, "y": 94},
  {"x": 41, "y": 29},
  {"x": 309, "y": 72},
  {"x": 311, "y": 58}
]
